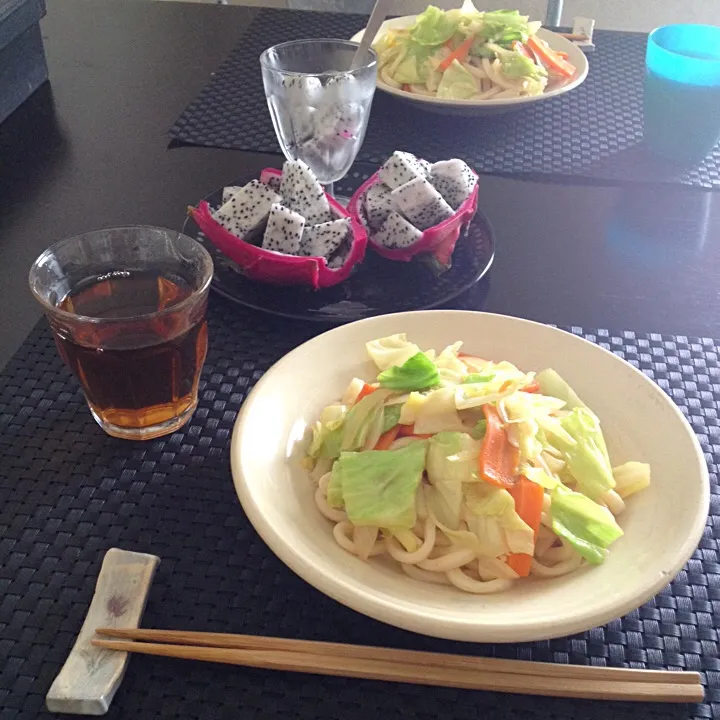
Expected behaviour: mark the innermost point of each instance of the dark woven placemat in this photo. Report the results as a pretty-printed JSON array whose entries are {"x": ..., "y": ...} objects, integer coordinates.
[
  {"x": 68, "y": 493},
  {"x": 593, "y": 132}
]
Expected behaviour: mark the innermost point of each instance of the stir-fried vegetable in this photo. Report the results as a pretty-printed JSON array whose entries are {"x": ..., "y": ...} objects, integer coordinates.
[
  {"x": 454, "y": 464},
  {"x": 470, "y": 55},
  {"x": 498, "y": 458}
]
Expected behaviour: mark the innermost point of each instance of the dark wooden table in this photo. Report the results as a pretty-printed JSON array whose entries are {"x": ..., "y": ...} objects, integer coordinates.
[{"x": 91, "y": 150}]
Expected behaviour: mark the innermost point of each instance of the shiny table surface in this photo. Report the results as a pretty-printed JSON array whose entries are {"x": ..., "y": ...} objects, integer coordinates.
[{"x": 90, "y": 150}]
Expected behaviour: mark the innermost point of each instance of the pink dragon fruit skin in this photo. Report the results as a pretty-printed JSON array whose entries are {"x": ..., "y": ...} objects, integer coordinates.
[
  {"x": 277, "y": 268},
  {"x": 438, "y": 240}
]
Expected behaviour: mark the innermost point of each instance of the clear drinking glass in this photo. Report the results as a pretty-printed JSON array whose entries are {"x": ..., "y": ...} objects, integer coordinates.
[
  {"x": 318, "y": 105},
  {"x": 127, "y": 308}
]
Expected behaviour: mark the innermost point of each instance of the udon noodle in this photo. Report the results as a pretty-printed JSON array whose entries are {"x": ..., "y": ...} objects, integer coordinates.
[{"x": 437, "y": 561}]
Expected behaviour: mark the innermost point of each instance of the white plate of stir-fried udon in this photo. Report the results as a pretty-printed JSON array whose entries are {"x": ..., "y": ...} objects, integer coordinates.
[
  {"x": 465, "y": 61},
  {"x": 470, "y": 476}
]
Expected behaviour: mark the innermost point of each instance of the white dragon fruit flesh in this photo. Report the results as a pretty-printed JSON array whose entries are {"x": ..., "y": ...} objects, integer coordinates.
[
  {"x": 273, "y": 181},
  {"x": 396, "y": 232},
  {"x": 284, "y": 230},
  {"x": 341, "y": 87},
  {"x": 246, "y": 211},
  {"x": 400, "y": 168},
  {"x": 338, "y": 259},
  {"x": 291, "y": 105},
  {"x": 421, "y": 203},
  {"x": 229, "y": 191},
  {"x": 454, "y": 180},
  {"x": 301, "y": 89},
  {"x": 302, "y": 192},
  {"x": 378, "y": 204},
  {"x": 324, "y": 239},
  {"x": 336, "y": 120}
]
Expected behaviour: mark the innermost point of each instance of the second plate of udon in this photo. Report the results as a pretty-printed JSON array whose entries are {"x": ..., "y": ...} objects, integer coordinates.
[
  {"x": 487, "y": 107},
  {"x": 661, "y": 525}
]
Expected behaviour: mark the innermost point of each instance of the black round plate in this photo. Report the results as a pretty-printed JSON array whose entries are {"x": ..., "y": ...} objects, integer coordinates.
[{"x": 376, "y": 287}]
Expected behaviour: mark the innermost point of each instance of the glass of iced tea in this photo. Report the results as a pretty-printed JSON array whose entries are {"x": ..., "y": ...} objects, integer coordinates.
[{"x": 127, "y": 308}]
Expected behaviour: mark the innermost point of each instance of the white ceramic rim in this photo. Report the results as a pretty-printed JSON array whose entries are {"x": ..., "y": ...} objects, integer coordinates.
[
  {"x": 420, "y": 621},
  {"x": 556, "y": 42}
]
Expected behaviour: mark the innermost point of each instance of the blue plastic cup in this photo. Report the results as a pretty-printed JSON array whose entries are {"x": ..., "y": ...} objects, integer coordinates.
[{"x": 682, "y": 91}]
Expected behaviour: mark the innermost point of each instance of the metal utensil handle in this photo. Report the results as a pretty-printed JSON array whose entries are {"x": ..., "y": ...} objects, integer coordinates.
[{"x": 377, "y": 17}]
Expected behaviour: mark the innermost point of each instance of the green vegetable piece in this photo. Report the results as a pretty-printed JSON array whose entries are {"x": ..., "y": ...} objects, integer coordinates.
[
  {"x": 452, "y": 459},
  {"x": 477, "y": 378},
  {"x": 359, "y": 420},
  {"x": 433, "y": 27},
  {"x": 586, "y": 456},
  {"x": 417, "y": 373},
  {"x": 457, "y": 83},
  {"x": 391, "y": 416},
  {"x": 587, "y": 526},
  {"x": 478, "y": 432},
  {"x": 552, "y": 384},
  {"x": 378, "y": 487},
  {"x": 516, "y": 65}
]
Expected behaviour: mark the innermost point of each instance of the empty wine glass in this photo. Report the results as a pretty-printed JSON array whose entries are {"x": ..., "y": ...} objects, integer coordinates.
[{"x": 319, "y": 102}]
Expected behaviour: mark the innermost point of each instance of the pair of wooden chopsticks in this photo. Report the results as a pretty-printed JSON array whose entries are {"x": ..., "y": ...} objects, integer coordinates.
[{"x": 411, "y": 666}]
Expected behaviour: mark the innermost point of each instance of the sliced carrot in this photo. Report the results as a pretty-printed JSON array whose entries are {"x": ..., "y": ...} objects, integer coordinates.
[
  {"x": 498, "y": 458},
  {"x": 387, "y": 439},
  {"x": 533, "y": 387},
  {"x": 520, "y": 563},
  {"x": 562, "y": 54},
  {"x": 366, "y": 390},
  {"x": 528, "y": 498},
  {"x": 409, "y": 431},
  {"x": 460, "y": 53},
  {"x": 550, "y": 58}
]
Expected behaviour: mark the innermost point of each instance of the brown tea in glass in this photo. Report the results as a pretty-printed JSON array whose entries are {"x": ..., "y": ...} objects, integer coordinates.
[{"x": 127, "y": 307}]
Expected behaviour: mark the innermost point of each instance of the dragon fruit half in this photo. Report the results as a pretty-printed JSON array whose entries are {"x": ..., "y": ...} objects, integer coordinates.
[
  {"x": 411, "y": 208},
  {"x": 294, "y": 251}
]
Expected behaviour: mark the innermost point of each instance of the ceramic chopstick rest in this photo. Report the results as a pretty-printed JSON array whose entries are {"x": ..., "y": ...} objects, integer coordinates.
[{"x": 90, "y": 676}]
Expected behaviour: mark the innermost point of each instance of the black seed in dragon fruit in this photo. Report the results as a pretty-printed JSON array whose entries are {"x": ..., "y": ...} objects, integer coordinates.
[
  {"x": 246, "y": 211},
  {"x": 400, "y": 168},
  {"x": 301, "y": 89},
  {"x": 302, "y": 193},
  {"x": 324, "y": 239},
  {"x": 378, "y": 204},
  {"x": 229, "y": 191},
  {"x": 421, "y": 203},
  {"x": 454, "y": 180},
  {"x": 273, "y": 181},
  {"x": 396, "y": 232},
  {"x": 284, "y": 230}
]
